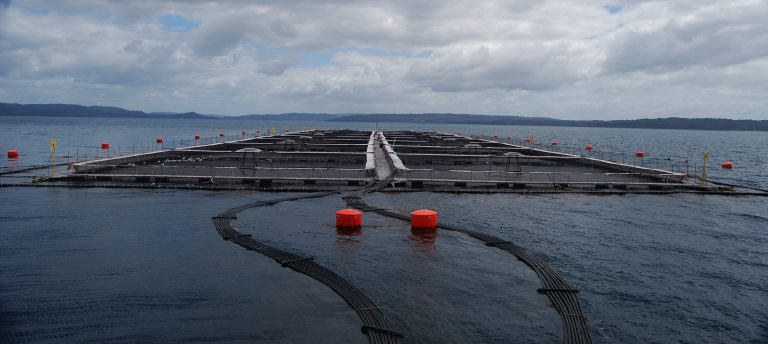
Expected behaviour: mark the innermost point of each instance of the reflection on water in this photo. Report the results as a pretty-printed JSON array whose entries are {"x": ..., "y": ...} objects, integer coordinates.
[
  {"x": 423, "y": 239},
  {"x": 348, "y": 235}
]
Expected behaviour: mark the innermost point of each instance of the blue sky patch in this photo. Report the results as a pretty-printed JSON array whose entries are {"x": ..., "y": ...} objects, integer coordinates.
[
  {"x": 172, "y": 22},
  {"x": 613, "y": 9}
]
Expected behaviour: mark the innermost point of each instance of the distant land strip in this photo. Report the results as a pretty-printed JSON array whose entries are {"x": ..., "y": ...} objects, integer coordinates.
[{"x": 70, "y": 110}]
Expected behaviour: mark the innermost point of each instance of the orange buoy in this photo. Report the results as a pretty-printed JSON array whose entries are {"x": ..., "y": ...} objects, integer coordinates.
[
  {"x": 13, "y": 154},
  {"x": 159, "y": 140},
  {"x": 423, "y": 218},
  {"x": 554, "y": 143},
  {"x": 349, "y": 218},
  {"x": 727, "y": 165},
  {"x": 528, "y": 139},
  {"x": 639, "y": 154},
  {"x": 104, "y": 145},
  {"x": 197, "y": 136},
  {"x": 589, "y": 148}
]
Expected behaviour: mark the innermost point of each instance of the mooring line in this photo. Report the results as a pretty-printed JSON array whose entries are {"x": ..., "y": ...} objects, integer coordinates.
[
  {"x": 375, "y": 324},
  {"x": 559, "y": 292}
]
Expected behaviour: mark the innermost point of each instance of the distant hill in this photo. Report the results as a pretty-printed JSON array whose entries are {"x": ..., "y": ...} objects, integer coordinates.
[
  {"x": 69, "y": 110},
  {"x": 292, "y": 117},
  {"x": 649, "y": 123}
]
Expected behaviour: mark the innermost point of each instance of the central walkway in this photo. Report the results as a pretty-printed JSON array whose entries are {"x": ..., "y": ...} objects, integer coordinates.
[{"x": 383, "y": 167}]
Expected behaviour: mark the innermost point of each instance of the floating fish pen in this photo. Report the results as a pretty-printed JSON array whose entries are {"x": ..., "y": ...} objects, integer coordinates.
[{"x": 345, "y": 159}]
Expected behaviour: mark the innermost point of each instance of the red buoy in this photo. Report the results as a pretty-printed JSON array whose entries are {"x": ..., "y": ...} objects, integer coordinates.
[
  {"x": 242, "y": 133},
  {"x": 589, "y": 148},
  {"x": 159, "y": 140},
  {"x": 349, "y": 218},
  {"x": 221, "y": 134},
  {"x": 423, "y": 218},
  {"x": 639, "y": 154},
  {"x": 495, "y": 136},
  {"x": 12, "y": 154},
  {"x": 286, "y": 130},
  {"x": 727, "y": 165},
  {"x": 509, "y": 138},
  {"x": 554, "y": 143},
  {"x": 197, "y": 136},
  {"x": 104, "y": 145}
]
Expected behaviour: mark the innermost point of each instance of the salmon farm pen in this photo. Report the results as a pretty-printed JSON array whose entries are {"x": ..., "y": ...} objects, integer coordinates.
[{"x": 330, "y": 160}]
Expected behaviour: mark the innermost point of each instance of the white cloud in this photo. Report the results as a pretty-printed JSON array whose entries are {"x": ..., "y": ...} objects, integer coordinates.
[{"x": 566, "y": 59}]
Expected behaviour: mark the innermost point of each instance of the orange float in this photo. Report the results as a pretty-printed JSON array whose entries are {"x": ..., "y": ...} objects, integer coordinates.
[
  {"x": 349, "y": 218},
  {"x": 424, "y": 218}
]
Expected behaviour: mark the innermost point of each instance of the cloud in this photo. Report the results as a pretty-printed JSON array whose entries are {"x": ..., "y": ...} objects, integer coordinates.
[
  {"x": 506, "y": 65},
  {"x": 714, "y": 35},
  {"x": 567, "y": 59}
]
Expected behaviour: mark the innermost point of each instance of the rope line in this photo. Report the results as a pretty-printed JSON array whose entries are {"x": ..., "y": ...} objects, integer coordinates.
[
  {"x": 375, "y": 324},
  {"x": 560, "y": 293}
]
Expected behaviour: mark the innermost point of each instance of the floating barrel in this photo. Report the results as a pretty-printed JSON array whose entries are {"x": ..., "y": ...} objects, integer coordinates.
[
  {"x": 197, "y": 136},
  {"x": 159, "y": 140},
  {"x": 349, "y": 219},
  {"x": 13, "y": 154},
  {"x": 423, "y": 218},
  {"x": 104, "y": 145},
  {"x": 589, "y": 147},
  {"x": 727, "y": 165},
  {"x": 554, "y": 143},
  {"x": 639, "y": 154}
]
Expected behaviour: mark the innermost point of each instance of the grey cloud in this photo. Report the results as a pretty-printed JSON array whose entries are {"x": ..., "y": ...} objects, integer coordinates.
[
  {"x": 513, "y": 66},
  {"x": 715, "y": 35}
]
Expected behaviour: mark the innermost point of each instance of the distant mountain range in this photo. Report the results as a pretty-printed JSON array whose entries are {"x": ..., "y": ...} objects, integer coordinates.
[{"x": 69, "y": 110}]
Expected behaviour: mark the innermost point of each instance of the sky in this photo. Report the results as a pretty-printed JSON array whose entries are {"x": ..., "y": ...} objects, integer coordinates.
[{"x": 563, "y": 59}]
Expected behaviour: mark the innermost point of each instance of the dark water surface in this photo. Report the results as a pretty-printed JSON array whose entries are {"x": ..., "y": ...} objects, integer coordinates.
[
  {"x": 128, "y": 266},
  {"x": 107, "y": 265}
]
